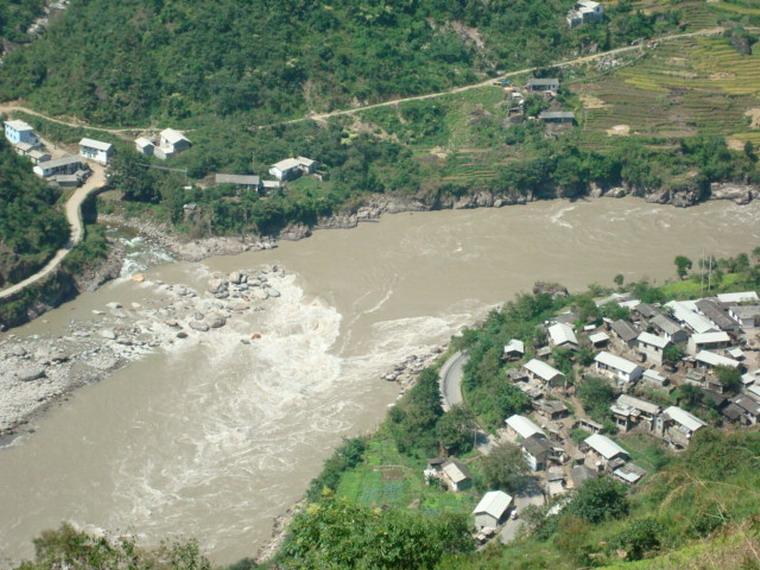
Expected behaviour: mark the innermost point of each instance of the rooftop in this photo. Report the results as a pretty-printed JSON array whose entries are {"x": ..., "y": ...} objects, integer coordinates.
[
  {"x": 687, "y": 420},
  {"x": 712, "y": 359},
  {"x": 743, "y": 297},
  {"x": 19, "y": 125},
  {"x": 666, "y": 325},
  {"x": 57, "y": 162},
  {"x": 625, "y": 330},
  {"x": 524, "y": 427},
  {"x": 494, "y": 503},
  {"x": 638, "y": 404},
  {"x": 616, "y": 362},
  {"x": 98, "y": 145},
  {"x": 711, "y": 337},
  {"x": 241, "y": 179},
  {"x": 604, "y": 446},
  {"x": 562, "y": 333},
  {"x": 173, "y": 136},
  {"x": 456, "y": 471},
  {"x": 653, "y": 340},
  {"x": 684, "y": 312},
  {"x": 515, "y": 345},
  {"x": 542, "y": 369}
]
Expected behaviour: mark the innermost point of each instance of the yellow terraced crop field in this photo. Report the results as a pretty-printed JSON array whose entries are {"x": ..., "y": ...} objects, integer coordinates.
[{"x": 681, "y": 88}]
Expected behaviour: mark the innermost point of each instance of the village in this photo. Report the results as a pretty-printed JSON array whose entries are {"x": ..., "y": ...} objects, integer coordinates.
[
  {"x": 708, "y": 347},
  {"x": 66, "y": 170}
]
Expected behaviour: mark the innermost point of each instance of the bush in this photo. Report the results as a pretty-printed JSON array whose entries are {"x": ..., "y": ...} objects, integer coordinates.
[
  {"x": 639, "y": 537},
  {"x": 599, "y": 500},
  {"x": 348, "y": 455}
]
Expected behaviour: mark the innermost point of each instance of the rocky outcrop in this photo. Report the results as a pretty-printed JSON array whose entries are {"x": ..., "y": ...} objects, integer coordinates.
[
  {"x": 556, "y": 290},
  {"x": 659, "y": 197},
  {"x": 742, "y": 194}
]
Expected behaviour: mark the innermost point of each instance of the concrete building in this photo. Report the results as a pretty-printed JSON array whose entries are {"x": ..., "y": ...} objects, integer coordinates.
[
  {"x": 585, "y": 12},
  {"x": 544, "y": 373},
  {"x": 20, "y": 132},
  {"x": 652, "y": 346},
  {"x": 669, "y": 329},
  {"x": 491, "y": 509},
  {"x": 240, "y": 181},
  {"x": 737, "y": 298},
  {"x": 599, "y": 339},
  {"x": 557, "y": 117},
  {"x": 293, "y": 167},
  {"x": 630, "y": 412},
  {"x": 99, "y": 151},
  {"x": 707, "y": 341},
  {"x": 677, "y": 426},
  {"x": 707, "y": 359},
  {"x": 543, "y": 84},
  {"x": 630, "y": 473},
  {"x": 170, "y": 143},
  {"x": 144, "y": 146},
  {"x": 685, "y": 312},
  {"x": 64, "y": 165},
  {"x": 748, "y": 316},
  {"x": 617, "y": 367},
  {"x": 717, "y": 312}
]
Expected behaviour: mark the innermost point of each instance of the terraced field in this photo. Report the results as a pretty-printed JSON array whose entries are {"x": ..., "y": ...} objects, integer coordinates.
[{"x": 695, "y": 85}]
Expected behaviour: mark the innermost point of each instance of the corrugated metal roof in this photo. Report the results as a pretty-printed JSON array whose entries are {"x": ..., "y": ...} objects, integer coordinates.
[
  {"x": 542, "y": 369},
  {"x": 654, "y": 340},
  {"x": 743, "y": 297},
  {"x": 494, "y": 503},
  {"x": 687, "y": 420},
  {"x": 562, "y": 333},
  {"x": 604, "y": 446},
  {"x": 524, "y": 426},
  {"x": 616, "y": 362},
  {"x": 98, "y": 145},
  {"x": 712, "y": 359}
]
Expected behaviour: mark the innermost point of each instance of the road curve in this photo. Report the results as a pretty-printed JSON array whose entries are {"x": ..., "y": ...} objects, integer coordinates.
[
  {"x": 450, "y": 380},
  {"x": 73, "y": 209}
]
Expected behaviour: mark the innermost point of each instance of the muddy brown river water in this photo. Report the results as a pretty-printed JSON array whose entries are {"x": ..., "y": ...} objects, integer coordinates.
[{"x": 213, "y": 438}]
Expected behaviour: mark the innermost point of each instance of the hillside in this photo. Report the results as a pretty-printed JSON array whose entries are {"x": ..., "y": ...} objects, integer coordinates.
[
  {"x": 696, "y": 508},
  {"x": 132, "y": 61},
  {"x": 31, "y": 227}
]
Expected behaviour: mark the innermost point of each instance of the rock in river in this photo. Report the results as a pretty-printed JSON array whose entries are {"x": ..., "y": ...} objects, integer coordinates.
[
  {"x": 30, "y": 374},
  {"x": 198, "y": 326},
  {"x": 216, "y": 321}
]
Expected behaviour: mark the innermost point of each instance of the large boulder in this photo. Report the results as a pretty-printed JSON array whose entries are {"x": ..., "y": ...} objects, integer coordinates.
[
  {"x": 198, "y": 326},
  {"x": 218, "y": 285},
  {"x": 31, "y": 374},
  {"x": 216, "y": 321},
  {"x": 740, "y": 193}
]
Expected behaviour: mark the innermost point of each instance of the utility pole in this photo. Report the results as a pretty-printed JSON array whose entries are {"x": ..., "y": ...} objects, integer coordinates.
[
  {"x": 702, "y": 272},
  {"x": 709, "y": 276}
]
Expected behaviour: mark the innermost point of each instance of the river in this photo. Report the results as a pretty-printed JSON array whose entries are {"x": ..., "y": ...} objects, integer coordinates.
[{"x": 212, "y": 438}]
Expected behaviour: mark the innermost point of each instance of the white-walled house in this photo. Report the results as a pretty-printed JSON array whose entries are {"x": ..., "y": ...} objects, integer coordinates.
[
  {"x": 652, "y": 346},
  {"x": 617, "y": 367},
  {"x": 20, "y": 132},
  {"x": 99, "y": 151},
  {"x": 170, "y": 143},
  {"x": 678, "y": 426},
  {"x": 602, "y": 451},
  {"x": 707, "y": 341},
  {"x": 144, "y": 146},
  {"x": 584, "y": 12},
  {"x": 292, "y": 167}
]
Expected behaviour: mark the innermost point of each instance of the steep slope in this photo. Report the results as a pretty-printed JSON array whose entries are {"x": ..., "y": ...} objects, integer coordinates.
[
  {"x": 31, "y": 228},
  {"x": 121, "y": 62}
]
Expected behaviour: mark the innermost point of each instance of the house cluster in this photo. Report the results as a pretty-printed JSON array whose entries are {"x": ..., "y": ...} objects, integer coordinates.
[
  {"x": 585, "y": 12},
  {"x": 548, "y": 88},
  {"x": 68, "y": 171},
  {"x": 282, "y": 171},
  {"x": 167, "y": 144}
]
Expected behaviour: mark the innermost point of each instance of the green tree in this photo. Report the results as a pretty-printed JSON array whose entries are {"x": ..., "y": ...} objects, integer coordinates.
[
  {"x": 596, "y": 394},
  {"x": 67, "y": 547},
  {"x": 619, "y": 280},
  {"x": 456, "y": 430},
  {"x": 130, "y": 175},
  {"x": 683, "y": 265},
  {"x": 599, "y": 500},
  {"x": 672, "y": 354},
  {"x": 639, "y": 537},
  {"x": 730, "y": 378},
  {"x": 504, "y": 468}
]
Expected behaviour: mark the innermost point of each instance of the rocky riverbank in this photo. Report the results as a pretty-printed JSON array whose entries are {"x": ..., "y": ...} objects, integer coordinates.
[{"x": 38, "y": 370}]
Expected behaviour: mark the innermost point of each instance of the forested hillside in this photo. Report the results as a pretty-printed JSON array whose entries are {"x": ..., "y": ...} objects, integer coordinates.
[
  {"x": 15, "y": 18},
  {"x": 135, "y": 60},
  {"x": 31, "y": 229}
]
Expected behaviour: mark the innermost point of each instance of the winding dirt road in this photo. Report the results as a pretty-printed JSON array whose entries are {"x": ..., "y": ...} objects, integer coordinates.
[{"x": 73, "y": 209}]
